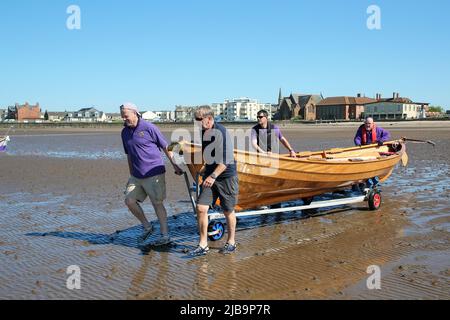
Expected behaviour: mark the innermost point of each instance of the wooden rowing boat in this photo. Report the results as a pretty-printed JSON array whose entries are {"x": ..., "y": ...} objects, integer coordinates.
[{"x": 271, "y": 179}]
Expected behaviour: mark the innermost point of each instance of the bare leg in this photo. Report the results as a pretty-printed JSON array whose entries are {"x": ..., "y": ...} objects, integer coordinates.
[
  {"x": 136, "y": 210},
  {"x": 202, "y": 219},
  {"x": 231, "y": 226},
  {"x": 161, "y": 213}
]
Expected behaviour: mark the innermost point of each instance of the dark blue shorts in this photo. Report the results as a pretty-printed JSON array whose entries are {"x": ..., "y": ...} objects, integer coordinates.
[{"x": 226, "y": 190}]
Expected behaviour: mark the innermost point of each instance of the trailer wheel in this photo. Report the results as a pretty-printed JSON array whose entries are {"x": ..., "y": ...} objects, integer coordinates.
[
  {"x": 374, "y": 200},
  {"x": 216, "y": 230}
]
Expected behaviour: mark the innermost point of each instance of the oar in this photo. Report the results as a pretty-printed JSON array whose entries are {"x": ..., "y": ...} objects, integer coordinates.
[
  {"x": 9, "y": 130},
  {"x": 420, "y": 141}
]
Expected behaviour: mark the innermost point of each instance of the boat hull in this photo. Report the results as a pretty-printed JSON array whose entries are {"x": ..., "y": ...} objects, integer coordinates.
[{"x": 267, "y": 180}]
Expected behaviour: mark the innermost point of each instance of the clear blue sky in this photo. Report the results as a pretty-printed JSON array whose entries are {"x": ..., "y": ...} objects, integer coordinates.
[{"x": 161, "y": 53}]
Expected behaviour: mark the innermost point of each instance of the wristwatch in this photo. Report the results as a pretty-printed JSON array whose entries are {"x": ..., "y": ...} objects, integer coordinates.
[{"x": 213, "y": 175}]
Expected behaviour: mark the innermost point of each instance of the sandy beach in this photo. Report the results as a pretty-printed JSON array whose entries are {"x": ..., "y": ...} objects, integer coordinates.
[{"x": 61, "y": 201}]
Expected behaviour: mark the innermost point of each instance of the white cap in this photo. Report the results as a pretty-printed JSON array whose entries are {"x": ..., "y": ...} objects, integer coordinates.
[{"x": 130, "y": 106}]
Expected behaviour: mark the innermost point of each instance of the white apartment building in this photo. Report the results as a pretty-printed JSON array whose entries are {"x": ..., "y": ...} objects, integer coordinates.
[
  {"x": 242, "y": 109},
  {"x": 219, "y": 110}
]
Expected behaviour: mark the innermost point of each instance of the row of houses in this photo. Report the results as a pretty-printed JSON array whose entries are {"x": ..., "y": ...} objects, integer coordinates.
[
  {"x": 308, "y": 107},
  {"x": 315, "y": 107},
  {"x": 33, "y": 113}
]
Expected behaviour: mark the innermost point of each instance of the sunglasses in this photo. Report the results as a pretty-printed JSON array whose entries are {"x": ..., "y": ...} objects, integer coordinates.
[
  {"x": 260, "y": 117},
  {"x": 199, "y": 119}
]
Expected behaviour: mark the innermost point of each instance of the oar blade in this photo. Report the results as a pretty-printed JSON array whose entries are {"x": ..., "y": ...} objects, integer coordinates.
[{"x": 405, "y": 159}]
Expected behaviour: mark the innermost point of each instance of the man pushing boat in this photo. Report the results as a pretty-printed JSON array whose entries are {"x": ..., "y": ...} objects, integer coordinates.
[{"x": 263, "y": 132}]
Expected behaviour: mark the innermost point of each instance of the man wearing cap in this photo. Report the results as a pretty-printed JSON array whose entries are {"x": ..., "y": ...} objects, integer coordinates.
[{"x": 143, "y": 142}]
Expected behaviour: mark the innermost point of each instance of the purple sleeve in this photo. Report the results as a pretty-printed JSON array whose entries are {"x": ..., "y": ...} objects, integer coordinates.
[
  {"x": 278, "y": 132},
  {"x": 254, "y": 137},
  {"x": 383, "y": 135},
  {"x": 358, "y": 137},
  {"x": 159, "y": 138}
]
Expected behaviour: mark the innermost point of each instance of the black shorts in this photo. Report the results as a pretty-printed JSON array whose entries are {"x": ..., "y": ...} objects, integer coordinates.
[{"x": 226, "y": 190}]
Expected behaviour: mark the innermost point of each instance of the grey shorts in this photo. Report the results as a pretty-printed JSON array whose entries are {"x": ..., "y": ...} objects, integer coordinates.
[
  {"x": 153, "y": 187},
  {"x": 226, "y": 190}
]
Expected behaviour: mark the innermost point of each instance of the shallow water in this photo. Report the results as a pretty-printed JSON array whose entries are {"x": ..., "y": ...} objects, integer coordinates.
[{"x": 77, "y": 145}]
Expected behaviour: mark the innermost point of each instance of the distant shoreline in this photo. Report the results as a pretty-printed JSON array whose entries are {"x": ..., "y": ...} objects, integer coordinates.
[{"x": 428, "y": 123}]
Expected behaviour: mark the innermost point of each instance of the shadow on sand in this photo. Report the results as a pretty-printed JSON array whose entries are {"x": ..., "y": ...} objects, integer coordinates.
[{"x": 183, "y": 230}]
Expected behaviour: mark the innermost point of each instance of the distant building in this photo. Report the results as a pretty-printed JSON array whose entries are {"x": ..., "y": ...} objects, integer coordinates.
[
  {"x": 165, "y": 116},
  {"x": 149, "y": 115},
  {"x": 86, "y": 115},
  {"x": 396, "y": 108},
  {"x": 219, "y": 110},
  {"x": 184, "y": 113},
  {"x": 56, "y": 116},
  {"x": 3, "y": 114},
  {"x": 24, "y": 113},
  {"x": 159, "y": 116},
  {"x": 298, "y": 105},
  {"x": 241, "y": 109},
  {"x": 434, "y": 114},
  {"x": 342, "y": 108},
  {"x": 113, "y": 117}
]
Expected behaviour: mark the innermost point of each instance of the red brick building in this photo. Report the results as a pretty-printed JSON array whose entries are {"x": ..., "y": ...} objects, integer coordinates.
[
  {"x": 342, "y": 108},
  {"x": 25, "y": 112}
]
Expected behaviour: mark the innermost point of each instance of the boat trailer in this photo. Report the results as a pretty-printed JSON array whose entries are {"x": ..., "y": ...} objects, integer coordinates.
[{"x": 216, "y": 229}]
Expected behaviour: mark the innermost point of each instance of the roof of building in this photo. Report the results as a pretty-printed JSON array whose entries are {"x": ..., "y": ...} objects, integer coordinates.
[
  {"x": 396, "y": 100},
  {"x": 56, "y": 114},
  {"x": 302, "y": 99},
  {"x": 29, "y": 106},
  {"x": 338, "y": 101},
  {"x": 91, "y": 109}
]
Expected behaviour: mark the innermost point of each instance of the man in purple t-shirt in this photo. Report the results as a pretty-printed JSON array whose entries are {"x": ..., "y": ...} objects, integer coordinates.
[
  {"x": 143, "y": 142},
  {"x": 262, "y": 135}
]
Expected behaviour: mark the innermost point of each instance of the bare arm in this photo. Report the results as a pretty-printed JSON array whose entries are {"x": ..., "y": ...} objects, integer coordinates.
[
  {"x": 258, "y": 148},
  {"x": 288, "y": 146},
  {"x": 169, "y": 155},
  {"x": 209, "y": 181}
]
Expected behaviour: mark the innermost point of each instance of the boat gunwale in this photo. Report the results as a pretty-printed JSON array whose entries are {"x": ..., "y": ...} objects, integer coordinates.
[{"x": 324, "y": 160}]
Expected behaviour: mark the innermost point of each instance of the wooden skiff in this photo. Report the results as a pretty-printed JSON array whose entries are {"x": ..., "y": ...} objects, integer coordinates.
[{"x": 271, "y": 179}]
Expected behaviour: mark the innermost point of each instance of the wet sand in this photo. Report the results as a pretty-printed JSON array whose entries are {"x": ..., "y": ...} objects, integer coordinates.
[{"x": 60, "y": 208}]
